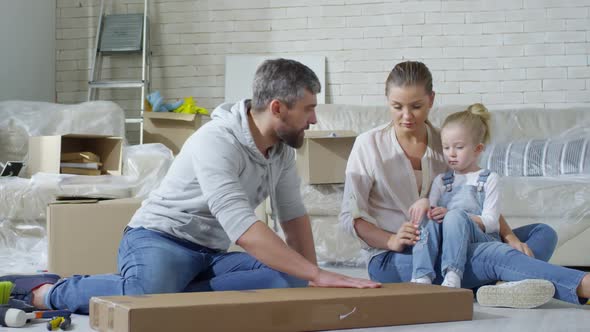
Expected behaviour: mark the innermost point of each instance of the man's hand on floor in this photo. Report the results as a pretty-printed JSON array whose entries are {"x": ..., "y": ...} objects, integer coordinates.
[{"x": 331, "y": 279}]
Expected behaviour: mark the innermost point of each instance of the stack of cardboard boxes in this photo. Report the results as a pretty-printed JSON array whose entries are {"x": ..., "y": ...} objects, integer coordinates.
[{"x": 84, "y": 235}]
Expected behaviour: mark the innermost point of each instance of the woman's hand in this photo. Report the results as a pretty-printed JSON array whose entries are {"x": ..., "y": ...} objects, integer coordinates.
[
  {"x": 418, "y": 210},
  {"x": 407, "y": 235},
  {"x": 437, "y": 213},
  {"x": 515, "y": 243}
]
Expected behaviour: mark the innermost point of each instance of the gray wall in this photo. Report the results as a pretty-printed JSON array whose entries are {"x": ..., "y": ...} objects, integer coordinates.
[{"x": 27, "y": 43}]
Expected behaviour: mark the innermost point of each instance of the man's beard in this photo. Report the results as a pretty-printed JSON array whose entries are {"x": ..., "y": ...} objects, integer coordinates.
[{"x": 293, "y": 138}]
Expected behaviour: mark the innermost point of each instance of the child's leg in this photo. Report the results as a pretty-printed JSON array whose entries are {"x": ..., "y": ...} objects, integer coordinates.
[
  {"x": 458, "y": 231},
  {"x": 426, "y": 250}
]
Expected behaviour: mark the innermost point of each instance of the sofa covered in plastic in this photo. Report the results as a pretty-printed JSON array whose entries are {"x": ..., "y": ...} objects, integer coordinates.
[{"x": 543, "y": 156}]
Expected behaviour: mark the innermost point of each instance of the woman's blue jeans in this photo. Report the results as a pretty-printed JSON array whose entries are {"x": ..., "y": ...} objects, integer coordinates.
[{"x": 488, "y": 262}]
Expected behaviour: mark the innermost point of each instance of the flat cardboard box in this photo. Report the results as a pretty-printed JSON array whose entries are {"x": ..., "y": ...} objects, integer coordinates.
[
  {"x": 296, "y": 309},
  {"x": 322, "y": 158},
  {"x": 45, "y": 151},
  {"x": 169, "y": 128},
  {"x": 84, "y": 235}
]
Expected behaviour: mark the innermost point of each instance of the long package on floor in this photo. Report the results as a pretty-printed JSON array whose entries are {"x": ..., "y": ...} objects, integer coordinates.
[{"x": 302, "y": 309}]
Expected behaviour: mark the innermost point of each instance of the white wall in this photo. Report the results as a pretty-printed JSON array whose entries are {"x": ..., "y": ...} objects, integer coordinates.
[
  {"x": 505, "y": 53},
  {"x": 27, "y": 59}
]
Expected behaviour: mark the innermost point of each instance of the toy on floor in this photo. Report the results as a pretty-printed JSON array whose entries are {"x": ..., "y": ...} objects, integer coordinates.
[
  {"x": 60, "y": 322},
  {"x": 11, "y": 317},
  {"x": 190, "y": 107},
  {"x": 5, "y": 290},
  {"x": 157, "y": 103}
]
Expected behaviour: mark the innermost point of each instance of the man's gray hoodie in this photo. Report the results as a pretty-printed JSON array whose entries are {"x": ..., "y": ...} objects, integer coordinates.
[{"x": 210, "y": 192}]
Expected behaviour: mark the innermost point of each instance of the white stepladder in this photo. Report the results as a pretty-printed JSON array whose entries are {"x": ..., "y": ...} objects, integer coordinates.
[{"x": 122, "y": 34}]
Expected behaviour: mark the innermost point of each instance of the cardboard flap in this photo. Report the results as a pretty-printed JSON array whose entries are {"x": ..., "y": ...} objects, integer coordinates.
[
  {"x": 329, "y": 134},
  {"x": 46, "y": 152},
  {"x": 86, "y": 136},
  {"x": 77, "y": 199},
  {"x": 170, "y": 116}
]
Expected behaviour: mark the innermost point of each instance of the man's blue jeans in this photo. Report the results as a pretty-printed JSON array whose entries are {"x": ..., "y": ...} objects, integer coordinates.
[
  {"x": 488, "y": 262},
  {"x": 151, "y": 262}
]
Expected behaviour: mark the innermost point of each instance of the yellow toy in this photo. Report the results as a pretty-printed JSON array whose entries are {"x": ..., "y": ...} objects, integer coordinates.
[
  {"x": 60, "y": 322},
  {"x": 190, "y": 107}
]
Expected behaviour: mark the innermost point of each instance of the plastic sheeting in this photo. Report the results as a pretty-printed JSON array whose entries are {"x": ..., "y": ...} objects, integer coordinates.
[
  {"x": 22, "y": 226},
  {"x": 23, "y": 202},
  {"x": 323, "y": 199},
  {"x": 21, "y": 119},
  {"x": 560, "y": 201},
  {"x": 565, "y": 154},
  {"x": 145, "y": 166},
  {"x": 334, "y": 247},
  {"x": 546, "y": 179}
]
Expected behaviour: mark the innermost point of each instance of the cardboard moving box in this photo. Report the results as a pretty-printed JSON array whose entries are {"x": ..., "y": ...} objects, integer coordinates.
[
  {"x": 323, "y": 156},
  {"x": 45, "y": 151},
  {"x": 169, "y": 128},
  {"x": 83, "y": 235},
  {"x": 296, "y": 309}
]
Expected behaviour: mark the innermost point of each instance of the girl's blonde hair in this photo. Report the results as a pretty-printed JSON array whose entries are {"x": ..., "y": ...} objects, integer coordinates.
[{"x": 476, "y": 118}]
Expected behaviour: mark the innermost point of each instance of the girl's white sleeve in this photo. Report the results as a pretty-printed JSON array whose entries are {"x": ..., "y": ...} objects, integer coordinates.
[
  {"x": 436, "y": 191},
  {"x": 490, "y": 214}
]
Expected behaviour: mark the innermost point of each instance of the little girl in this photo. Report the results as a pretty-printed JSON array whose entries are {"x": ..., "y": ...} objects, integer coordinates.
[{"x": 463, "y": 201}]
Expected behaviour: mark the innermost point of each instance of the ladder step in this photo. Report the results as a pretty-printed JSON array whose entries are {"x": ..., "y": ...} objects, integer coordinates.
[
  {"x": 133, "y": 120},
  {"x": 115, "y": 84},
  {"x": 122, "y": 33}
]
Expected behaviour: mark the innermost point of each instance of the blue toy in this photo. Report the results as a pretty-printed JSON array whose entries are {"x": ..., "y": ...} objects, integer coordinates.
[{"x": 157, "y": 102}]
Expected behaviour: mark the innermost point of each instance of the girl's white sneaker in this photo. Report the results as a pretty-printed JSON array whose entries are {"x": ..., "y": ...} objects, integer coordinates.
[
  {"x": 422, "y": 280},
  {"x": 452, "y": 279}
]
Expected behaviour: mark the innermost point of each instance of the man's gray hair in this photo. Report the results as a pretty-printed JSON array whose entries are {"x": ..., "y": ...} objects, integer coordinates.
[{"x": 282, "y": 79}]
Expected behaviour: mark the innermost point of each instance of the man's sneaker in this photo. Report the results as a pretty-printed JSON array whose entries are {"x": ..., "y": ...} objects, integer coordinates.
[
  {"x": 25, "y": 284},
  {"x": 525, "y": 294}
]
